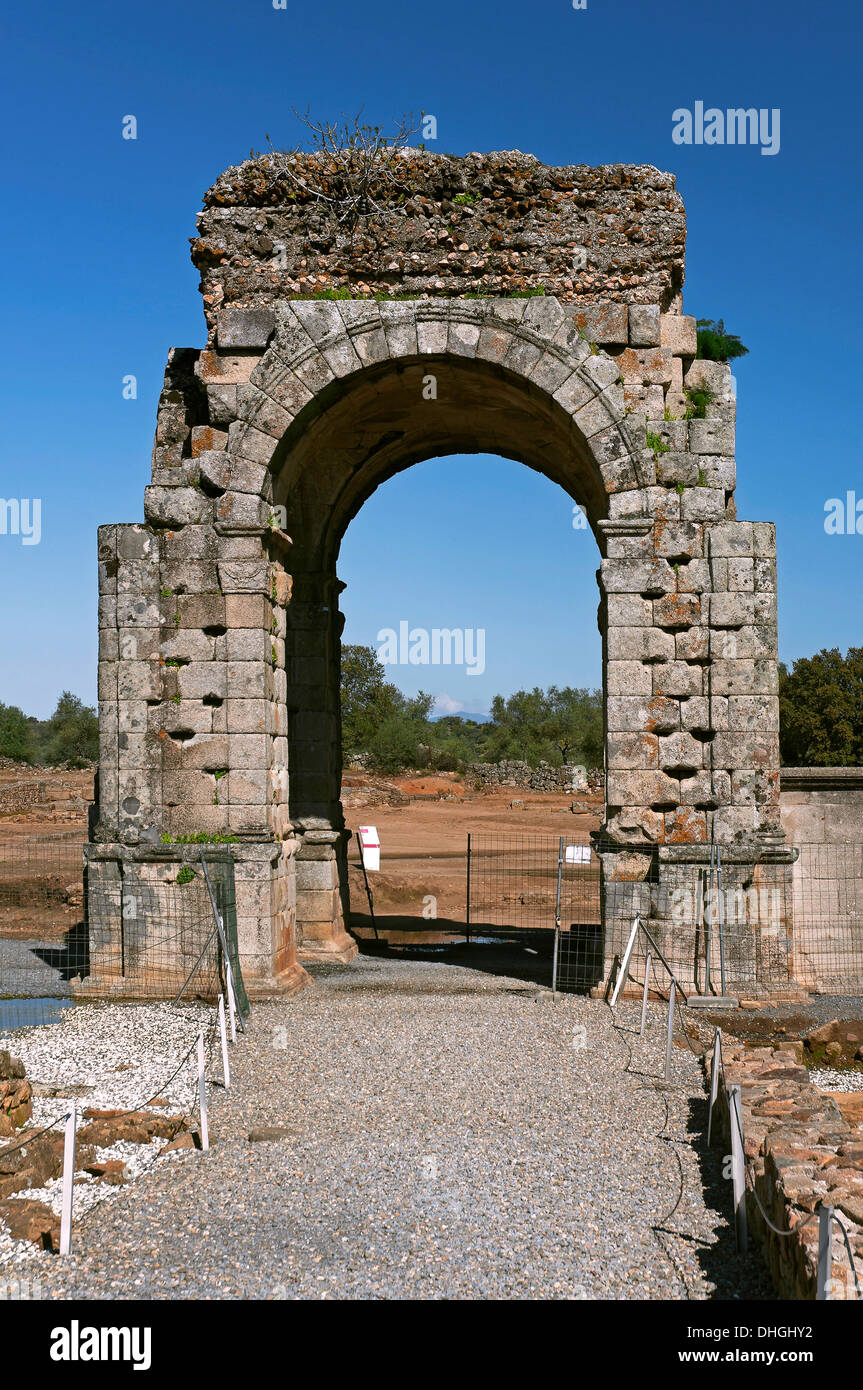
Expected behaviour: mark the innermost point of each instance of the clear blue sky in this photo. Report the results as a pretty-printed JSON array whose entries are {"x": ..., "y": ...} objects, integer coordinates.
[{"x": 97, "y": 283}]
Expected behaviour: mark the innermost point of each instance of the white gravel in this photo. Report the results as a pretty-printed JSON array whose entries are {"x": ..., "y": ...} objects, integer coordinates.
[
  {"x": 826, "y": 1079},
  {"x": 108, "y": 1056},
  {"x": 448, "y": 1136}
]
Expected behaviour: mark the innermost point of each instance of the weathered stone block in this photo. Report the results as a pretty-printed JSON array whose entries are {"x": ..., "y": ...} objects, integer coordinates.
[
  {"x": 711, "y": 437},
  {"x": 628, "y": 610},
  {"x": 629, "y": 677},
  {"x": 637, "y": 644},
  {"x": 679, "y": 335},
  {"x": 649, "y": 366},
  {"x": 753, "y": 712},
  {"x": 627, "y": 751},
  {"x": 680, "y": 754},
  {"x": 702, "y": 504},
  {"x": 245, "y": 328},
  {"x": 677, "y": 611},
  {"x": 653, "y": 789},
  {"x": 628, "y": 714},
  {"x": 248, "y": 716},
  {"x": 644, "y": 329},
  {"x": 678, "y": 678},
  {"x": 176, "y": 506},
  {"x": 603, "y": 323},
  {"x": 678, "y": 539}
]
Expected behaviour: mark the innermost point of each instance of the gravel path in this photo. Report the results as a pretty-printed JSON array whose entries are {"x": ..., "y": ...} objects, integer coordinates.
[{"x": 449, "y": 1136}]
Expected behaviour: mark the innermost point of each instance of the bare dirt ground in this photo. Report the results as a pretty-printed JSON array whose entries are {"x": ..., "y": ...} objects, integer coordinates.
[
  {"x": 423, "y": 847},
  {"x": 43, "y": 823},
  {"x": 424, "y": 838}
]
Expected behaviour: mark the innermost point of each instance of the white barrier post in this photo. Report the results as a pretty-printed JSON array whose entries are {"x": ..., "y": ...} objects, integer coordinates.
[
  {"x": 825, "y": 1251},
  {"x": 624, "y": 965},
  {"x": 714, "y": 1079},
  {"x": 672, "y": 993},
  {"x": 68, "y": 1181},
  {"x": 202, "y": 1094},
  {"x": 647, "y": 965},
  {"x": 232, "y": 1004},
  {"x": 738, "y": 1167},
  {"x": 226, "y": 1066}
]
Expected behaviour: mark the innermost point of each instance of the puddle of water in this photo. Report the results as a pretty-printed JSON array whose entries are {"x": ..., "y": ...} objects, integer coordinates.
[{"x": 31, "y": 1013}]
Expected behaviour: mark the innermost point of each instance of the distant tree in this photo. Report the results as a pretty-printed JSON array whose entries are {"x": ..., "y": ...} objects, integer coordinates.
[
  {"x": 368, "y": 699},
  {"x": 555, "y": 725},
  {"x": 574, "y": 722},
  {"x": 71, "y": 734},
  {"x": 16, "y": 734},
  {"x": 821, "y": 710},
  {"x": 715, "y": 344},
  {"x": 402, "y": 740}
]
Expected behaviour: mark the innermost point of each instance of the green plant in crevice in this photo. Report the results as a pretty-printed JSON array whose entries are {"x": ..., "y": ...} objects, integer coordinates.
[
  {"x": 657, "y": 444},
  {"x": 186, "y": 874},
  {"x": 698, "y": 398}
]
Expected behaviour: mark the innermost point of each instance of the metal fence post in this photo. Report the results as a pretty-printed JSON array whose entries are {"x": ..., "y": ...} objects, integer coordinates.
[
  {"x": 708, "y": 918},
  {"x": 467, "y": 907},
  {"x": 68, "y": 1181},
  {"x": 557, "y": 916},
  {"x": 825, "y": 1251},
  {"x": 670, "y": 1033},
  {"x": 232, "y": 1006},
  {"x": 738, "y": 1167},
  {"x": 647, "y": 965},
  {"x": 714, "y": 1078}
]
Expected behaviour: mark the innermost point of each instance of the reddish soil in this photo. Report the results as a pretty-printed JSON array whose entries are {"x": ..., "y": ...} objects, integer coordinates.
[
  {"x": 41, "y": 892},
  {"x": 423, "y": 848},
  {"x": 423, "y": 840}
]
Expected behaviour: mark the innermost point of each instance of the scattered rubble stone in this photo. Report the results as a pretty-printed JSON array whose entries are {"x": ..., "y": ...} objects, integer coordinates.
[
  {"x": 15, "y": 1094},
  {"x": 33, "y": 1221}
]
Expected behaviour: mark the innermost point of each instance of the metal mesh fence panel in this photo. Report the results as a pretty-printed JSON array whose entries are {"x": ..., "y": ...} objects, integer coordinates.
[
  {"x": 141, "y": 929},
  {"x": 729, "y": 926},
  {"x": 43, "y": 939},
  {"x": 828, "y": 918}
]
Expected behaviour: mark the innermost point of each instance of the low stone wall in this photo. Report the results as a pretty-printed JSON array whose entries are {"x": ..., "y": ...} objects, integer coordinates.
[
  {"x": 800, "y": 1152},
  {"x": 570, "y": 777},
  {"x": 17, "y": 796}
]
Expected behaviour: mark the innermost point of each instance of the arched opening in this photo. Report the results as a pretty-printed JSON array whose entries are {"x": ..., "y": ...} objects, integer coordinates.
[
  {"x": 356, "y": 435},
  {"x": 470, "y": 577}
]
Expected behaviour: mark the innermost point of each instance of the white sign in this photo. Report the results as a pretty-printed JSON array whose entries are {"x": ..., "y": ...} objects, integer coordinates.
[
  {"x": 577, "y": 854},
  {"x": 370, "y": 845}
]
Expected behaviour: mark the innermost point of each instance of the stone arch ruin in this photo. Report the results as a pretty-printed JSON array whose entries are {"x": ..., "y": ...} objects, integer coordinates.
[{"x": 219, "y": 615}]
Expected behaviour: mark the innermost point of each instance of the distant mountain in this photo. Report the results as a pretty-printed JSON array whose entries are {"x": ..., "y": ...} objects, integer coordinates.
[{"x": 476, "y": 718}]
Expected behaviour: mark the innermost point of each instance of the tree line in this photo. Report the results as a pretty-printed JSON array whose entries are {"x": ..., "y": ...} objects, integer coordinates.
[
  {"x": 71, "y": 735},
  {"x": 389, "y": 731},
  {"x": 820, "y": 715}
]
